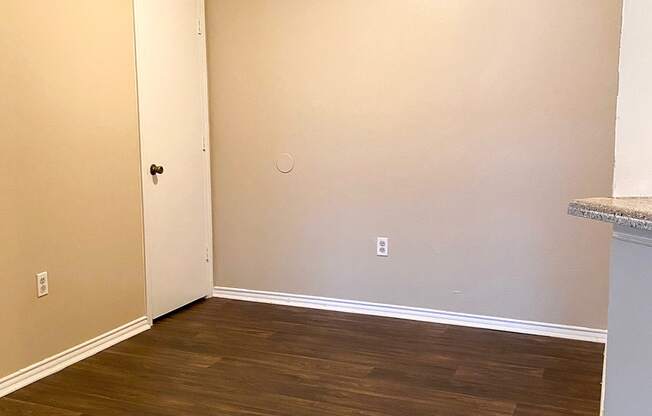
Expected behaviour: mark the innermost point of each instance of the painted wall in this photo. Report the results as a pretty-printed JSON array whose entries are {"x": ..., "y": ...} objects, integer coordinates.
[
  {"x": 460, "y": 130},
  {"x": 633, "y": 170},
  {"x": 628, "y": 377},
  {"x": 69, "y": 176}
]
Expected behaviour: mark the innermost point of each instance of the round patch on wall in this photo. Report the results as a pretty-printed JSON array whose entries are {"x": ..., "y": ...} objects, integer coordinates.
[{"x": 285, "y": 163}]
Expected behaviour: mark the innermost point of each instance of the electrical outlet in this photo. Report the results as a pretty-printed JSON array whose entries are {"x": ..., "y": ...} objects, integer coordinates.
[
  {"x": 42, "y": 284},
  {"x": 382, "y": 246}
]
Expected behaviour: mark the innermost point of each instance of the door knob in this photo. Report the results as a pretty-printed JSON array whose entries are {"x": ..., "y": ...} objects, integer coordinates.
[{"x": 154, "y": 169}]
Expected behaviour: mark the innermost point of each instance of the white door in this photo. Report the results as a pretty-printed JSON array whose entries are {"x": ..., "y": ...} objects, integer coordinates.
[{"x": 172, "y": 91}]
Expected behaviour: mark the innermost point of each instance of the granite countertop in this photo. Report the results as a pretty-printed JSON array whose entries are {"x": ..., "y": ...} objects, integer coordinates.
[{"x": 629, "y": 212}]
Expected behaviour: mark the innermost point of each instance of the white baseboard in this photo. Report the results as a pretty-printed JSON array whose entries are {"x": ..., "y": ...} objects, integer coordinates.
[
  {"x": 75, "y": 354},
  {"x": 417, "y": 314}
]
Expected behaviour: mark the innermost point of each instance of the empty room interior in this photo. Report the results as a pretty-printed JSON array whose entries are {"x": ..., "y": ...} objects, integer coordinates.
[{"x": 325, "y": 207}]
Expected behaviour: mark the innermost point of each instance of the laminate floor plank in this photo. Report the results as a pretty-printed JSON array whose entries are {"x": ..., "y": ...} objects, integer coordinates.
[{"x": 232, "y": 358}]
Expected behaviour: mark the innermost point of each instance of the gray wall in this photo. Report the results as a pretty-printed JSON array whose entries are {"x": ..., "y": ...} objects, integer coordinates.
[
  {"x": 460, "y": 130},
  {"x": 628, "y": 376}
]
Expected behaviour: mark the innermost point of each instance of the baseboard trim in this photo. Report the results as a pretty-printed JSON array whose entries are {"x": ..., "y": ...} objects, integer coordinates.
[
  {"x": 71, "y": 356},
  {"x": 417, "y": 314}
]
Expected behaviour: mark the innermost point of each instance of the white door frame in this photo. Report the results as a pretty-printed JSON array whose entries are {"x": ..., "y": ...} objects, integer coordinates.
[
  {"x": 208, "y": 202},
  {"x": 208, "y": 196}
]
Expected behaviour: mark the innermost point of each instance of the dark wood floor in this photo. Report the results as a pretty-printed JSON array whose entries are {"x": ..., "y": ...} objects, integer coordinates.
[{"x": 222, "y": 357}]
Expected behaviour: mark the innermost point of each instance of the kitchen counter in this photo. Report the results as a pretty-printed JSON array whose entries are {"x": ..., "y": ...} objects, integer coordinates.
[
  {"x": 627, "y": 382},
  {"x": 627, "y": 212}
]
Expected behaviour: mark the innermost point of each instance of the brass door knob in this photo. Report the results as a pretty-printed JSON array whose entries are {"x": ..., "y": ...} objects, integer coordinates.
[{"x": 155, "y": 170}]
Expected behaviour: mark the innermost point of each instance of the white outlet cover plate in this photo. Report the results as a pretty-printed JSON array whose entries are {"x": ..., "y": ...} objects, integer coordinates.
[
  {"x": 42, "y": 284},
  {"x": 382, "y": 246}
]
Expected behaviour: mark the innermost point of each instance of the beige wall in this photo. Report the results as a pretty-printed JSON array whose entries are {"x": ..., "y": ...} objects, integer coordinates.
[
  {"x": 459, "y": 129},
  {"x": 69, "y": 175}
]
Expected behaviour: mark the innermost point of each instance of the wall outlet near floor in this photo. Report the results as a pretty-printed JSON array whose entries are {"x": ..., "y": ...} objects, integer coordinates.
[
  {"x": 42, "y": 284},
  {"x": 382, "y": 246}
]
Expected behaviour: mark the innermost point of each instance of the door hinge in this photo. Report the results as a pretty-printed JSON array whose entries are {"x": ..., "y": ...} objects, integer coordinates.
[
  {"x": 208, "y": 258},
  {"x": 199, "y": 26},
  {"x": 203, "y": 143}
]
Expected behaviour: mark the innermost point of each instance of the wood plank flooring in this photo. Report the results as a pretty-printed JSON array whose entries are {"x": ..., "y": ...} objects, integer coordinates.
[{"x": 224, "y": 357}]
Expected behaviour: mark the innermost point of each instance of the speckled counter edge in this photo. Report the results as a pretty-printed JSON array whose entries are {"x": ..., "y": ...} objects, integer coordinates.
[{"x": 583, "y": 212}]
